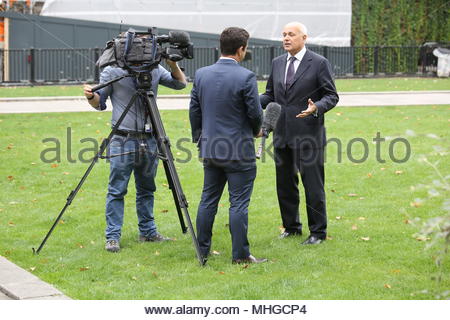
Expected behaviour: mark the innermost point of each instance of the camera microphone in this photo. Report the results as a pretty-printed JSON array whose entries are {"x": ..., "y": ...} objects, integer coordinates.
[
  {"x": 271, "y": 116},
  {"x": 179, "y": 38}
]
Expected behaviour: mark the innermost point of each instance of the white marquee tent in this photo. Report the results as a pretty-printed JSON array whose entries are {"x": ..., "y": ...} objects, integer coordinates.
[{"x": 328, "y": 21}]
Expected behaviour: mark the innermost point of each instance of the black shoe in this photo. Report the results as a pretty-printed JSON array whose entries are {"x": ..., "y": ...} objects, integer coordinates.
[
  {"x": 290, "y": 234},
  {"x": 313, "y": 240},
  {"x": 249, "y": 259}
]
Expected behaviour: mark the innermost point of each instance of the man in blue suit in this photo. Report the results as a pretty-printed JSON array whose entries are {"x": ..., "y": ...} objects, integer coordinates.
[{"x": 225, "y": 116}]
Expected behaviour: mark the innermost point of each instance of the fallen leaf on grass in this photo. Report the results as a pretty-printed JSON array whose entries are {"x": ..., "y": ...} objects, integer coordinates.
[
  {"x": 387, "y": 286},
  {"x": 84, "y": 268},
  {"x": 422, "y": 238},
  {"x": 354, "y": 227},
  {"x": 396, "y": 271},
  {"x": 338, "y": 218},
  {"x": 352, "y": 195},
  {"x": 361, "y": 218},
  {"x": 216, "y": 252},
  {"x": 369, "y": 175},
  {"x": 407, "y": 221},
  {"x": 398, "y": 172},
  {"x": 32, "y": 269},
  {"x": 365, "y": 238},
  {"x": 221, "y": 272},
  {"x": 66, "y": 173},
  {"x": 164, "y": 211},
  {"x": 10, "y": 146},
  {"x": 79, "y": 245},
  {"x": 11, "y": 224},
  {"x": 339, "y": 113},
  {"x": 361, "y": 198},
  {"x": 133, "y": 278},
  {"x": 22, "y": 188},
  {"x": 154, "y": 274},
  {"x": 416, "y": 204},
  {"x": 329, "y": 238},
  {"x": 245, "y": 266},
  {"x": 54, "y": 165},
  {"x": 61, "y": 222},
  {"x": 10, "y": 178},
  {"x": 157, "y": 253},
  {"x": 165, "y": 185},
  {"x": 13, "y": 203}
]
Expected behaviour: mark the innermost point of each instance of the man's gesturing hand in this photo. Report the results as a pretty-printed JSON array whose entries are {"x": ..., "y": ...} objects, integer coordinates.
[{"x": 312, "y": 108}]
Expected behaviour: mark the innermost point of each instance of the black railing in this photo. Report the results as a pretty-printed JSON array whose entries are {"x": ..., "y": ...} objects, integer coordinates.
[{"x": 36, "y": 66}]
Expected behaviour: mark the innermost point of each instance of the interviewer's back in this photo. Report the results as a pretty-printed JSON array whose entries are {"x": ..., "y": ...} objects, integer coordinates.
[{"x": 230, "y": 110}]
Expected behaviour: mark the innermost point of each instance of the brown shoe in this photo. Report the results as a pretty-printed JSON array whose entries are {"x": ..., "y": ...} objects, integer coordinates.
[{"x": 249, "y": 259}]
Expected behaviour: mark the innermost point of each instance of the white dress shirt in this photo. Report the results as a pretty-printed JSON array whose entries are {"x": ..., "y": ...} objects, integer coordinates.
[{"x": 299, "y": 57}]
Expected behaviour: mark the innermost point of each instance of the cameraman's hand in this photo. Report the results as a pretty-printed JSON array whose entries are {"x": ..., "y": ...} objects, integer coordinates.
[
  {"x": 92, "y": 98},
  {"x": 176, "y": 71},
  {"x": 88, "y": 91}
]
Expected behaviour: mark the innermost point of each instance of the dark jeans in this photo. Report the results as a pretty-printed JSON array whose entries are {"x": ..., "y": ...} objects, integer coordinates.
[
  {"x": 143, "y": 165},
  {"x": 240, "y": 177}
]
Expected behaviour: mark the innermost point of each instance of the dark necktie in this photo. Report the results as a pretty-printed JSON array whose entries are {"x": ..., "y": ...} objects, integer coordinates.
[{"x": 290, "y": 72}]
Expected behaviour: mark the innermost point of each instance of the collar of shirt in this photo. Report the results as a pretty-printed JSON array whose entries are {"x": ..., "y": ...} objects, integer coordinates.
[
  {"x": 226, "y": 58},
  {"x": 299, "y": 55}
]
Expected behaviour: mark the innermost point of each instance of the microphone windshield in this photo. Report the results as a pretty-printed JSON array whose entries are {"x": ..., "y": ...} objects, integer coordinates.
[
  {"x": 180, "y": 38},
  {"x": 271, "y": 116}
]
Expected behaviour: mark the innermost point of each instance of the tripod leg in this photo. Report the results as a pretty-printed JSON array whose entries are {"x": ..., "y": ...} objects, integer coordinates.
[
  {"x": 74, "y": 192},
  {"x": 171, "y": 173}
]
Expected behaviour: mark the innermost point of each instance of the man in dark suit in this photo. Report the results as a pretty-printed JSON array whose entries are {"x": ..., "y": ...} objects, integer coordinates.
[
  {"x": 226, "y": 115},
  {"x": 302, "y": 83}
]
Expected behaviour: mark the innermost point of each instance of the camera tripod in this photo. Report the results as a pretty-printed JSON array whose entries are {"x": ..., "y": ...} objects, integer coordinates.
[{"x": 143, "y": 90}]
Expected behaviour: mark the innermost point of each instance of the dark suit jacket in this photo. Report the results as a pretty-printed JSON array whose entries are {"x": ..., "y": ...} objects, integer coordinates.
[
  {"x": 225, "y": 111},
  {"x": 314, "y": 80}
]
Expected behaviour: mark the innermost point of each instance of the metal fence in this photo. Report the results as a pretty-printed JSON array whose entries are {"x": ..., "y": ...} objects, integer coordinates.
[{"x": 36, "y": 66}]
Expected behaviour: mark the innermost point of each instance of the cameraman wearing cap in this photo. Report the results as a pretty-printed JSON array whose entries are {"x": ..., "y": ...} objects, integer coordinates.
[{"x": 136, "y": 148}]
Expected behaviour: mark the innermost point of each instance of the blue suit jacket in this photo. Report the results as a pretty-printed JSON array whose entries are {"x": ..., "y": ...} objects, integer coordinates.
[{"x": 225, "y": 111}]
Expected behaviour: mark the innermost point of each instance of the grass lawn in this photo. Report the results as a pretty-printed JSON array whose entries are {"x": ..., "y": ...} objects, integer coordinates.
[
  {"x": 371, "y": 252},
  {"x": 343, "y": 85}
]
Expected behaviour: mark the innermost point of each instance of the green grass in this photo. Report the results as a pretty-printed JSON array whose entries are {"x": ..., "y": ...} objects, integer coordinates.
[
  {"x": 374, "y": 197},
  {"x": 343, "y": 85}
]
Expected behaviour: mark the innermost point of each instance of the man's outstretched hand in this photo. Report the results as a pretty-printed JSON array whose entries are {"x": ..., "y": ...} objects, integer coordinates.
[{"x": 312, "y": 108}]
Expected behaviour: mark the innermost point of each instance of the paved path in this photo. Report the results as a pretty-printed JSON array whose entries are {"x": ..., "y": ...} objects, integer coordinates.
[
  {"x": 347, "y": 99},
  {"x": 19, "y": 284}
]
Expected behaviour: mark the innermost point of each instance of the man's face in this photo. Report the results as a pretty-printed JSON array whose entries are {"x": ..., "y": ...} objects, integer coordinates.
[{"x": 293, "y": 39}]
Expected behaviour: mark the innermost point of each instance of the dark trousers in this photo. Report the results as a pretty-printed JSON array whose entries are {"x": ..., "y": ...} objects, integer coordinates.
[
  {"x": 240, "y": 177},
  {"x": 310, "y": 163}
]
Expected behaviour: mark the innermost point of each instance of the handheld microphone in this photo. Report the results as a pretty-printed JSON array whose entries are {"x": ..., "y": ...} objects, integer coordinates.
[{"x": 271, "y": 116}]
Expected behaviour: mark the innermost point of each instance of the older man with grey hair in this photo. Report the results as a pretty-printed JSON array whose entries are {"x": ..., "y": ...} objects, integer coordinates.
[{"x": 301, "y": 82}]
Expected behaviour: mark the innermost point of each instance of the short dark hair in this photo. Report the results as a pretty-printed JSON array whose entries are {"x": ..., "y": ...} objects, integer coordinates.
[{"x": 232, "y": 39}]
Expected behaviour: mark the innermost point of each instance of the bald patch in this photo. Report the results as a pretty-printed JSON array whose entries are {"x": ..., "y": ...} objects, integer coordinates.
[{"x": 299, "y": 26}]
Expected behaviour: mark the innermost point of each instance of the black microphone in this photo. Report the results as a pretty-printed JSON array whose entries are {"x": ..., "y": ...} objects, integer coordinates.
[
  {"x": 271, "y": 116},
  {"x": 180, "y": 38}
]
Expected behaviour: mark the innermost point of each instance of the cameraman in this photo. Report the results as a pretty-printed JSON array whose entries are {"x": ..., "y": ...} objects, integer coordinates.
[{"x": 135, "y": 137}]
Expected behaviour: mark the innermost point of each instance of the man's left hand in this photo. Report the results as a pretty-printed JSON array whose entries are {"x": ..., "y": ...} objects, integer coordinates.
[
  {"x": 172, "y": 64},
  {"x": 312, "y": 108}
]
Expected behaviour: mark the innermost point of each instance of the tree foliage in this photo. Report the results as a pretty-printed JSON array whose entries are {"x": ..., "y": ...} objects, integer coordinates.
[{"x": 399, "y": 22}]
